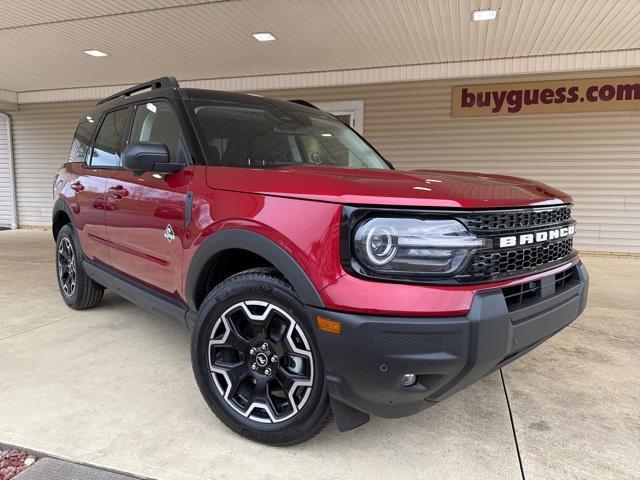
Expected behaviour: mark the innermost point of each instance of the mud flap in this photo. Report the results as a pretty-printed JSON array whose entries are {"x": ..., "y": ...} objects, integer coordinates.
[{"x": 347, "y": 418}]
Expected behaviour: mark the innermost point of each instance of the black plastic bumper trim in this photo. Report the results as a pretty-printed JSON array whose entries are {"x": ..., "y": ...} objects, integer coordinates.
[{"x": 365, "y": 364}]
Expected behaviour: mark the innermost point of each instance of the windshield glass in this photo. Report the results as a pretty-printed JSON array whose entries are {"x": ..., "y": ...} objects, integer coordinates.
[{"x": 260, "y": 137}]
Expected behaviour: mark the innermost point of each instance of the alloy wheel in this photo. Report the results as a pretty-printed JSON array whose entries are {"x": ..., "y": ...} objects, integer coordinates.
[
  {"x": 261, "y": 361},
  {"x": 66, "y": 267}
]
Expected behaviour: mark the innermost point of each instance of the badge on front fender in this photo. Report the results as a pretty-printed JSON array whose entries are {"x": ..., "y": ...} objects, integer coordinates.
[{"x": 168, "y": 233}]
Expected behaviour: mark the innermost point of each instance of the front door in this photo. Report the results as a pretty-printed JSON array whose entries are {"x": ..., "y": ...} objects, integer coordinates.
[{"x": 145, "y": 214}]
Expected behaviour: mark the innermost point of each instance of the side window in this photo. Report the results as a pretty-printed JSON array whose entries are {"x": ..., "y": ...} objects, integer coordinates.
[
  {"x": 82, "y": 141},
  {"x": 156, "y": 122},
  {"x": 108, "y": 144}
]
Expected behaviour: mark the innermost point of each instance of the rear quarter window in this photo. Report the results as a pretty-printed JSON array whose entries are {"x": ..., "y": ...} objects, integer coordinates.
[{"x": 82, "y": 141}]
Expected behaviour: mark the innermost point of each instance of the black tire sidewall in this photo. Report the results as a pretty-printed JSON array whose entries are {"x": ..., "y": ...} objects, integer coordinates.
[
  {"x": 67, "y": 232},
  {"x": 255, "y": 286}
]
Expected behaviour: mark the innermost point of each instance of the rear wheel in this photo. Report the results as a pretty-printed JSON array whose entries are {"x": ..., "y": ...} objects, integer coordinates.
[
  {"x": 256, "y": 362},
  {"x": 77, "y": 289}
]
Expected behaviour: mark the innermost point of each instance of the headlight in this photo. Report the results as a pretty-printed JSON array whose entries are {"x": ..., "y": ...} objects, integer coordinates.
[{"x": 414, "y": 247}]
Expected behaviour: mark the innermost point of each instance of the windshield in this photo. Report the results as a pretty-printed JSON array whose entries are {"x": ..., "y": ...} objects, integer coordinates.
[{"x": 260, "y": 137}]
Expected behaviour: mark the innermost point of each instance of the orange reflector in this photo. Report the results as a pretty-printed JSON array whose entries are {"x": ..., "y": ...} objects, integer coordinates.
[{"x": 328, "y": 325}]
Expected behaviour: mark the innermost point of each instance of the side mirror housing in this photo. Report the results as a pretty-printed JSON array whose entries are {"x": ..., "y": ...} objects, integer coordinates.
[{"x": 141, "y": 157}]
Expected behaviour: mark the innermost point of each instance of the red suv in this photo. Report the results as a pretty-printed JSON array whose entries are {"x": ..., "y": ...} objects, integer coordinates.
[{"x": 315, "y": 277}]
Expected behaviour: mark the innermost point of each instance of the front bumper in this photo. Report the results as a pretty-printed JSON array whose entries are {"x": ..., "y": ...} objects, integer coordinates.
[{"x": 365, "y": 364}]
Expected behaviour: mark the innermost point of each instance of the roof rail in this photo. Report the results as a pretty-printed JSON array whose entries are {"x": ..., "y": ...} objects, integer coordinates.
[
  {"x": 163, "y": 82},
  {"x": 304, "y": 103}
]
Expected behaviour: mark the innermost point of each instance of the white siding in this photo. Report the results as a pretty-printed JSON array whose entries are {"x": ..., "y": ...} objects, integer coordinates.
[
  {"x": 42, "y": 135},
  {"x": 6, "y": 194},
  {"x": 593, "y": 156}
]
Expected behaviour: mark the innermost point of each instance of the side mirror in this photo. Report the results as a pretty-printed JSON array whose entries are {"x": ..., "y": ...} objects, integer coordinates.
[{"x": 143, "y": 157}]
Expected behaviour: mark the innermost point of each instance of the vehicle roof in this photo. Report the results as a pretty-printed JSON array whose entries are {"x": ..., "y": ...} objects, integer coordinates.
[{"x": 196, "y": 94}]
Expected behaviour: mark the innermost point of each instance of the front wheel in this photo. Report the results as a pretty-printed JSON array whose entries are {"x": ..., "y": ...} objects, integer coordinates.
[{"x": 256, "y": 362}]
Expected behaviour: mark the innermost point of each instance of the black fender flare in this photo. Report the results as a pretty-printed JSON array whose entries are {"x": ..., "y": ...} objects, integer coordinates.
[
  {"x": 61, "y": 206},
  {"x": 255, "y": 243}
]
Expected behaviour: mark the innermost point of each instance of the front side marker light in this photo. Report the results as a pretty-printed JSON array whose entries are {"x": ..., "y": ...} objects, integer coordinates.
[{"x": 327, "y": 325}]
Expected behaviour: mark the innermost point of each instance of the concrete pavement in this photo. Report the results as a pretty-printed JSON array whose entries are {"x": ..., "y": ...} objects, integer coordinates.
[
  {"x": 113, "y": 387},
  {"x": 576, "y": 399}
]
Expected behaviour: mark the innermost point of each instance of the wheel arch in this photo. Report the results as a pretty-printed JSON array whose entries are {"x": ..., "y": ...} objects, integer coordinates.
[
  {"x": 238, "y": 239},
  {"x": 60, "y": 216}
]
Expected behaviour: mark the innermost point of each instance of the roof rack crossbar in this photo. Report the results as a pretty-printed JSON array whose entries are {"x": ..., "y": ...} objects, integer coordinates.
[{"x": 163, "y": 82}]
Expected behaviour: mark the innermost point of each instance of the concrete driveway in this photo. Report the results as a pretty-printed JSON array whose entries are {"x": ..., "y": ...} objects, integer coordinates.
[{"x": 113, "y": 387}]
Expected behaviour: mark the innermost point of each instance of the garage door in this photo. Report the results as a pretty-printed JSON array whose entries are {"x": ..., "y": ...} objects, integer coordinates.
[
  {"x": 42, "y": 135},
  {"x": 6, "y": 194}
]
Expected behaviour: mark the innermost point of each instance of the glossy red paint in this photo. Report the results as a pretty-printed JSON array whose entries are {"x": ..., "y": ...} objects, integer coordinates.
[
  {"x": 307, "y": 230},
  {"x": 140, "y": 209},
  {"x": 88, "y": 206},
  {"x": 351, "y": 294},
  {"x": 297, "y": 208},
  {"x": 419, "y": 188}
]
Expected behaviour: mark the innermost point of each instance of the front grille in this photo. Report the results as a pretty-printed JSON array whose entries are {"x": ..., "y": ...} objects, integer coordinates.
[
  {"x": 505, "y": 221},
  {"x": 522, "y": 294},
  {"x": 498, "y": 263},
  {"x": 502, "y": 263},
  {"x": 515, "y": 242},
  {"x": 516, "y": 295}
]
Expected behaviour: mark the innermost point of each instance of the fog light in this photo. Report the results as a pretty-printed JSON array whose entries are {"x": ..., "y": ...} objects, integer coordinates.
[{"x": 409, "y": 379}]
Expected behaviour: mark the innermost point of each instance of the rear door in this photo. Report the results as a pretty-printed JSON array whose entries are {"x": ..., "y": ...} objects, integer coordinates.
[
  {"x": 89, "y": 188},
  {"x": 145, "y": 215}
]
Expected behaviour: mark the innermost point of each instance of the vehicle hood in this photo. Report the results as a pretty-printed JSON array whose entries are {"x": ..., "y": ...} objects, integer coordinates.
[{"x": 420, "y": 188}]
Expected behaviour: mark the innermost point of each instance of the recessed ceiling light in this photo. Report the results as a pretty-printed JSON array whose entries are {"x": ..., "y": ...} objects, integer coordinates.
[
  {"x": 96, "y": 53},
  {"x": 481, "y": 15},
  {"x": 264, "y": 36}
]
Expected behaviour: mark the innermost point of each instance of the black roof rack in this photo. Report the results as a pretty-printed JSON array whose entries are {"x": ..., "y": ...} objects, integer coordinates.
[
  {"x": 304, "y": 103},
  {"x": 163, "y": 82}
]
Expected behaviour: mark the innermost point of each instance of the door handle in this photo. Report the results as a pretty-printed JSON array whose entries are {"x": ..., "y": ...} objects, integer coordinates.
[
  {"x": 77, "y": 186},
  {"x": 118, "y": 191}
]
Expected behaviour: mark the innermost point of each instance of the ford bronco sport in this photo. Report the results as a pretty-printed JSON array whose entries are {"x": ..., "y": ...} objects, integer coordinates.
[{"x": 314, "y": 276}]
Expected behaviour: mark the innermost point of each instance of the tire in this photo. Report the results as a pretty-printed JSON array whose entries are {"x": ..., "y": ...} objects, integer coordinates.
[
  {"x": 244, "y": 323},
  {"x": 77, "y": 289}
]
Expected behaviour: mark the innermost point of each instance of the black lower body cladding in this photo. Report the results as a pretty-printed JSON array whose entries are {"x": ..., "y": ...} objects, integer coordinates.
[{"x": 366, "y": 363}]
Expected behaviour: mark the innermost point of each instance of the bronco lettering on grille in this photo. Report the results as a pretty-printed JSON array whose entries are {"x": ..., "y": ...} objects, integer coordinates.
[{"x": 537, "y": 237}]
